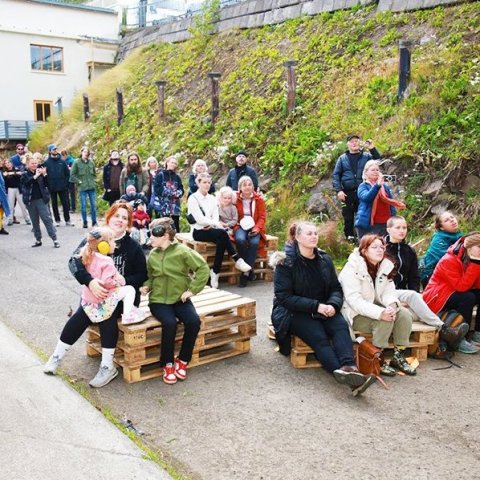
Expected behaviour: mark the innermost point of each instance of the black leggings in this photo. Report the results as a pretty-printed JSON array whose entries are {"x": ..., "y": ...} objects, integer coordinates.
[
  {"x": 463, "y": 303},
  {"x": 222, "y": 241},
  {"x": 79, "y": 322}
]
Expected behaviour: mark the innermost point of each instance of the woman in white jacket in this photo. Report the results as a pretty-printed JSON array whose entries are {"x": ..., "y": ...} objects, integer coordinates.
[
  {"x": 371, "y": 303},
  {"x": 208, "y": 227}
]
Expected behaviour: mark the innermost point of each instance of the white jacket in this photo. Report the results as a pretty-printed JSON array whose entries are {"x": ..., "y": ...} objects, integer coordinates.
[
  {"x": 361, "y": 296},
  {"x": 209, "y": 217}
]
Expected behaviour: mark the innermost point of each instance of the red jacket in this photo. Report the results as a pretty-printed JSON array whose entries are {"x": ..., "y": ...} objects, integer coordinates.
[
  {"x": 259, "y": 217},
  {"x": 452, "y": 274}
]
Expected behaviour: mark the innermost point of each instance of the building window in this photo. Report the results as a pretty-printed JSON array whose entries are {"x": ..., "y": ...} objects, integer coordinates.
[
  {"x": 47, "y": 59},
  {"x": 43, "y": 109}
]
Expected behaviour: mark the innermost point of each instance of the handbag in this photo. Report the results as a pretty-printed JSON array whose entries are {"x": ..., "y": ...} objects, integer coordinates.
[
  {"x": 369, "y": 359},
  {"x": 190, "y": 218}
]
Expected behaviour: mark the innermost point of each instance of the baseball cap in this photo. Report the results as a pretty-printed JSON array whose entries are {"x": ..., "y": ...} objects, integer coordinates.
[
  {"x": 20, "y": 145},
  {"x": 52, "y": 147},
  {"x": 241, "y": 152},
  {"x": 351, "y": 137}
]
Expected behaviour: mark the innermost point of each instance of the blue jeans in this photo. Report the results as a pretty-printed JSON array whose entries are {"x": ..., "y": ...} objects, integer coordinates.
[
  {"x": 93, "y": 205},
  {"x": 247, "y": 245},
  {"x": 328, "y": 337}
]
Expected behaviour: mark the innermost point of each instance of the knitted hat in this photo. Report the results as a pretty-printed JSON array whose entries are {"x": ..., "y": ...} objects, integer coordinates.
[{"x": 472, "y": 240}]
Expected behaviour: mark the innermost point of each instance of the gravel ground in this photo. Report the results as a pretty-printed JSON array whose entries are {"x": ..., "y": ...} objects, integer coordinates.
[{"x": 255, "y": 416}]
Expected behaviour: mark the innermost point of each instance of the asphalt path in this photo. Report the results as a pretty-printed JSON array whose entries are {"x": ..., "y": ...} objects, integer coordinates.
[{"x": 255, "y": 416}]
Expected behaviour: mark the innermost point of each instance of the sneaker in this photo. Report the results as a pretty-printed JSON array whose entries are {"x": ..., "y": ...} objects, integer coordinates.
[
  {"x": 16, "y": 222},
  {"x": 349, "y": 375},
  {"x": 94, "y": 224},
  {"x": 85, "y": 225},
  {"x": 69, "y": 224},
  {"x": 56, "y": 244},
  {"x": 243, "y": 281},
  {"x": 251, "y": 276},
  {"x": 399, "y": 362},
  {"x": 57, "y": 224},
  {"x": 169, "y": 374},
  {"x": 180, "y": 369},
  {"x": 3, "y": 232},
  {"x": 9, "y": 223},
  {"x": 475, "y": 337},
  {"x": 214, "y": 279},
  {"x": 453, "y": 335},
  {"x": 466, "y": 347},
  {"x": 242, "y": 265},
  {"x": 369, "y": 380},
  {"x": 38, "y": 243},
  {"x": 387, "y": 370},
  {"x": 28, "y": 222},
  {"x": 104, "y": 375},
  {"x": 52, "y": 365},
  {"x": 135, "y": 316}
]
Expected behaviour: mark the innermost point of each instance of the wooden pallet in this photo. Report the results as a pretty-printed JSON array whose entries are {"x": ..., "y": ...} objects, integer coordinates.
[
  {"x": 421, "y": 337},
  {"x": 229, "y": 272},
  {"x": 228, "y": 321}
]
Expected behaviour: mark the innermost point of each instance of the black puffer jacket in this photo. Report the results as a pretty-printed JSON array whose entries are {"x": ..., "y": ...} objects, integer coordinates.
[
  {"x": 296, "y": 291},
  {"x": 406, "y": 264}
]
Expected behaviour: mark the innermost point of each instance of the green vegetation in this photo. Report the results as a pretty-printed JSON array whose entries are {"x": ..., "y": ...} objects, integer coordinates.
[{"x": 346, "y": 81}]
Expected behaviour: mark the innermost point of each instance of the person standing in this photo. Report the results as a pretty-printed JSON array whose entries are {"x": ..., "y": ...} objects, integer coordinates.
[
  {"x": 68, "y": 159},
  {"x": 12, "y": 176},
  {"x": 242, "y": 169},
  {"x": 36, "y": 197},
  {"x": 111, "y": 177},
  {"x": 17, "y": 158},
  {"x": 58, "y": 176},
  {"x": 4, "y": 208},
  {"x": 134, "y": 174},
  {"x": 83, "y": 174},
  {"x": 347, "y": 176}
]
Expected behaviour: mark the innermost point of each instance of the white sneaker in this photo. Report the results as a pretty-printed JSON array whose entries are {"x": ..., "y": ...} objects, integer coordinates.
[
  {"x": 242, "y": 265},
  {"x": 135, "y": 316},
  {"x": 214, "y": 279},
  {"x": 104, "y": 375},
  {"x": 52, "y": 365}
]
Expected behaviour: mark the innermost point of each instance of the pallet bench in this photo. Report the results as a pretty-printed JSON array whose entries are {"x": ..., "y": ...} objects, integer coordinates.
[
  {"x": 421, "y": 337},
  {"x": 228, "y": 321},
  {"x": 229, "y": 272}
]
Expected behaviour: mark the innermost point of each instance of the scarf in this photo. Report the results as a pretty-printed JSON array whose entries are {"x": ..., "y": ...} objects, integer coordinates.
[{"x": 383, "y": 197}]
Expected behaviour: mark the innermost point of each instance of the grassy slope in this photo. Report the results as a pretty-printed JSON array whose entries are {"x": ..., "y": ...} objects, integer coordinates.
[{"x": 347, "y": 81}]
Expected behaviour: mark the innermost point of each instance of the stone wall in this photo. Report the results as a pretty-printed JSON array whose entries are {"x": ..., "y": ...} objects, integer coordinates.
[{"x": 256, "y": 13}]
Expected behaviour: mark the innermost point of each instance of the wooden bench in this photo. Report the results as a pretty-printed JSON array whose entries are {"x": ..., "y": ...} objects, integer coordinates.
[
  {"x": 228, "y": 321},
  {"x": 421, "y": 337},
  {"x": 229, "y": 272}
]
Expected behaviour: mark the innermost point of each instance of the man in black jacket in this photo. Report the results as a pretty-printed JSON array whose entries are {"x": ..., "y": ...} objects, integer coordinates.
[
  {"x": 347, "y": 176},
  {"x": 57, "y": 177},
  {"x": 111, "y": 177}
]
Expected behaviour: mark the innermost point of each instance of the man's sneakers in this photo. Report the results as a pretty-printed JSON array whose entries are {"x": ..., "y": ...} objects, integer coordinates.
[
  {"x": 38, "y": 243},
  {"x": 466, "y": 347},
  {"x": 104, "y": 376},
  {"x": 135, "y": 316},
  {"x": 349, "y": 374},
  {"x": 52, "y": 365},
  {"x": 69, "y": 224},
  {"x": 242, "y": 265},
  {"x": 369, "y": 380},
  {"x": 174, "y": 371},
  {"x": 214, "y": 279},
  {"x": 56, "y": 244},
  {"x": 3, "y": 232}
]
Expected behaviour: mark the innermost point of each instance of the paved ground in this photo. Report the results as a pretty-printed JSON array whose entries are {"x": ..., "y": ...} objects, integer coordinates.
[{"x": 254, "y": 416}]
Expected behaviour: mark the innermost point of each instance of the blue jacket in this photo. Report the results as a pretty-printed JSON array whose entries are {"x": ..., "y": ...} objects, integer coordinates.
[
  {"x": 58, "y": 174},
  {"x": 438, "y": 247},
  {"x": 234, "y": 176},
  {"x": 3, "y": 196},
  {"x": 345, "y": 176},
  {"x": 366, "y": 195},
  {"x": 167, "y": 193}
]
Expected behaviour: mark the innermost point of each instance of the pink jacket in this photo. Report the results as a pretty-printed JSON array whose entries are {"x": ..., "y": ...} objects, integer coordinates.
[{"x": 102, "y": 268}]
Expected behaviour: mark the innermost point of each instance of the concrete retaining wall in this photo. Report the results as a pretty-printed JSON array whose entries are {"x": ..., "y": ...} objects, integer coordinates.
[{"x": 256, "y": 13}]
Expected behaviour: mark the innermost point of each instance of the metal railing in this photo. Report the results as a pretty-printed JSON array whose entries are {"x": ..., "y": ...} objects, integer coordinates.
[{"x": 17, "y": 129}]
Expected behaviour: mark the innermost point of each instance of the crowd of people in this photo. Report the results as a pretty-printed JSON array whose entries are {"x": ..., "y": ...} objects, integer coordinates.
[{"x": 379, "y": 289}]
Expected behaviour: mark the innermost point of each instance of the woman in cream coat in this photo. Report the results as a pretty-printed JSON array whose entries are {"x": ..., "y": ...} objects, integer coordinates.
[{"x": 371, "y": 303}]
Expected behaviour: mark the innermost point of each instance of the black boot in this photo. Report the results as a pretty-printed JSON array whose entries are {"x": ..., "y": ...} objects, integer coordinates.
[{"x": 453, "y": 335}]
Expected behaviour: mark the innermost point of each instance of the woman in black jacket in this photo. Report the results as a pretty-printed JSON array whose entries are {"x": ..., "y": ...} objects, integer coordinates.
[{"x": 309, "y": 296}]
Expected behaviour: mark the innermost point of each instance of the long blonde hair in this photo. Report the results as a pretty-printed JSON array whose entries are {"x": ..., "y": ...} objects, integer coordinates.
[{"x": 94, "y": 237}]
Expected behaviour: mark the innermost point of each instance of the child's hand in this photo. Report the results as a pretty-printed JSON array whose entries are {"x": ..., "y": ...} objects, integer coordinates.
[
  {"x": 186, "y": 295},
  {"x": 144, "y": 290},
  {"x": 98, "y": 289}
]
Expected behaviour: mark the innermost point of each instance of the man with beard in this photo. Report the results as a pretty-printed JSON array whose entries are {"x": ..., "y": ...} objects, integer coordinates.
[
  {"x": 58, "y": 176},
  {"x": 133, "y": 174}
]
